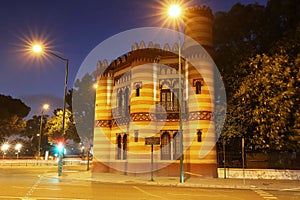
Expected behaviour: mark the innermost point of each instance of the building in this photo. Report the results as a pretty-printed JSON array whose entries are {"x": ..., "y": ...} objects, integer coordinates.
[{"x": 138, "y": 97}]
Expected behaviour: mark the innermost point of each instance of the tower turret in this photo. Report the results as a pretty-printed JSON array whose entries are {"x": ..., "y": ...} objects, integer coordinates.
[{"x": 198, "y": 25}]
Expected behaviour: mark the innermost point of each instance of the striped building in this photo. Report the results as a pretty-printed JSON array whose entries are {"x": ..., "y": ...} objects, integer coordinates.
[{"x": 138, "y": 97}]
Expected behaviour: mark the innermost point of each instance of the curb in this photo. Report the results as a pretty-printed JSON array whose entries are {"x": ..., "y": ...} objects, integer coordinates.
[{"x": 154, "y": 183}]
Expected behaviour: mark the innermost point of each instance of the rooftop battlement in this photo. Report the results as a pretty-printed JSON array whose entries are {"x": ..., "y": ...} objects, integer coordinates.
[{"x": 199, "y": 9}]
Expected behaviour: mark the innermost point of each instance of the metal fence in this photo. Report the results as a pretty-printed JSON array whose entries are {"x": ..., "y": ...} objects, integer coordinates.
[{"x": 272, "y": 160}]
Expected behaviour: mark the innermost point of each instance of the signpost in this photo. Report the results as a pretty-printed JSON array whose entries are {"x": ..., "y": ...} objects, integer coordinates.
[{"x": 152, "y": 141}]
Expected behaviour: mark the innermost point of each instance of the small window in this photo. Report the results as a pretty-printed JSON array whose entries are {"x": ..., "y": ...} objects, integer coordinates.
[
  {"x": 138, "y": 86},
  {"x": 136, "y": 135},
  {"x": 137, "y": 90},
  {"x": 198, "y": 87},
  {"x": 199, "y": 135}
]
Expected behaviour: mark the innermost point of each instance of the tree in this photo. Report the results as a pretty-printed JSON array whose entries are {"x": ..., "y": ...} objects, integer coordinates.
[
  {"x": 267, "y": 104},
  {"x": 53, "y": 128},
  {"x": 32, "y": 131},
  {"x": 238, "y": 35},
  {"x": 12, "y": 114},
  {"x": 84, "y": 108},
  {"x": 258, "y": 57}
]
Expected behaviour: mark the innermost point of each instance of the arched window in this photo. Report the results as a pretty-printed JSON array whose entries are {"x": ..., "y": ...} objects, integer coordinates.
[
  {"x": 176, "y": 146},
  {"x": 125, "y": 147},
  {"x": 137, "y": 90},
  {"x": 165, "y": 146},
  {"x": 198, "y": 87},
  {"x": 126, "y": 102},
  {"x": 120, "y": 101},
  {"x": 199, "y": 136},
  {"x": 119, "y": 147}
]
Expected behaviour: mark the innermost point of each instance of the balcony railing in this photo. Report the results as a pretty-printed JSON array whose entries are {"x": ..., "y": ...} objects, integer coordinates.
[{"x": 164, "y": 110}]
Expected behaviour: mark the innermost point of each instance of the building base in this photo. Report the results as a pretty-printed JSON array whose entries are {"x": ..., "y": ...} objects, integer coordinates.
[{"x": 171, "y": 170}]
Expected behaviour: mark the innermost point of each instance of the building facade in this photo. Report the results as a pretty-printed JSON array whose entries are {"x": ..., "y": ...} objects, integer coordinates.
[{"x": 138, "y": 97}]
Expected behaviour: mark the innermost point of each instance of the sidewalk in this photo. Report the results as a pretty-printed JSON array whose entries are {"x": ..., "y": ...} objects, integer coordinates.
[{"x": 264, "y": 184}]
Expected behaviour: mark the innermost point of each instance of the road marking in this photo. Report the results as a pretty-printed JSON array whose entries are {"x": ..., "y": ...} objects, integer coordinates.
[
  {"x": 264, "y": 194},
  {"x": 29, "y": 193},
  {"x": 290, "y": 189},
  {"x": 9, "y": 197},
  {"x": 145, "y": 192}
]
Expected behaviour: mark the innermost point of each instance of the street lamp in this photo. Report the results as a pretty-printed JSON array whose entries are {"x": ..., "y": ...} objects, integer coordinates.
[
  {"x": 18, "y": 148},
  {"x": 39, "y": 49},
  {"x": 4, "y": 148},
  {"x": 175, "y": 12},
  {"x": 45, "y": 107}
]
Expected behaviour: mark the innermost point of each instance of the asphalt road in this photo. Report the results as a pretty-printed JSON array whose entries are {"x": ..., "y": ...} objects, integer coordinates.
[{"x": 36, "y": 184}]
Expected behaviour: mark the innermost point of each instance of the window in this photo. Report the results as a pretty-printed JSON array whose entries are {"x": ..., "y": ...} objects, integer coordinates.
[
  {"x": 125, "y": 147},
  {"x": 136, "y": 135},
  {"x": 126, "y": 102},
  {"x": 169, "y": 99},
  {"x": 120, "y": 98},
  {"x": 198, "y": 87},
  {"x": 165, "y": 146},
  {"x": 121, "y": 147},
  {"x": 199, "y": 135},
  {"x": 198, "y": 84},
  {"x": 137, "y": 90},
  {"x": 138, "y": 86}
]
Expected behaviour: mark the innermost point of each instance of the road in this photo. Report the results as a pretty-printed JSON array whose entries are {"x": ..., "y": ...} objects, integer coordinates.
[{"x": 35, "y": 183}]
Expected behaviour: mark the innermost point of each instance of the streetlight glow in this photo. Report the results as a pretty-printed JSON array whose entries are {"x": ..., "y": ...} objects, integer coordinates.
[
  {"x": 37, "y": 48},
  {"x": 174, "y": 11},
  {"x": 18, "y": 147},
  {"x": 5, "y": 147},
  {"x": 46, "y": 106}
]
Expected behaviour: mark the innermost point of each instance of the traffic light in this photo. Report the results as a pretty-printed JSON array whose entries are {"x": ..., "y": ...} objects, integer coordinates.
[{"x": 60, "y": 147}]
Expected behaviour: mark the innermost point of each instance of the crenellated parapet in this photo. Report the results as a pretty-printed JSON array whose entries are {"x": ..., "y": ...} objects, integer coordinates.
[
  {"x": 199, "y": 10},
  {"x": 151, "y": 45},
  {"x": 140, "y": 53}
]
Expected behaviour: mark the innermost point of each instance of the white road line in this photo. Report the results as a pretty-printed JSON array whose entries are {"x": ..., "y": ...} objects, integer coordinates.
[
  {"x": 29, "y": 193},
  {"x": 145, "y": 192},
  {"x": 9, "y": 197},
  {"x": 264, "y": 194},
  {"x": 290, "y": 189}
]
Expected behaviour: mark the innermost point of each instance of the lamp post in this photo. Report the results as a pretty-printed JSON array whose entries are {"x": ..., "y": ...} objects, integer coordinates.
[
  {"x": 45, "y": 107},
  {"x": 39, "y": 49},
  {"x": 174, "y": 12}
]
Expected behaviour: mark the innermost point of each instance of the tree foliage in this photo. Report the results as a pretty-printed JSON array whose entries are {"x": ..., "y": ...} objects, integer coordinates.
[
  {"x": 12, "y": 114},
  {"x": 32, "y": 131},
  {"x": 53, "y": 128},
  {"x": 267, "y": 104},
  {"x": 84, "y": 107},
  {"x": 258, "y": 57}
]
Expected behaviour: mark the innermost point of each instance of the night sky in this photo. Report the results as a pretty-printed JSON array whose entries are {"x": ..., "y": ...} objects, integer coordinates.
[{"x": 71, "y": 28}]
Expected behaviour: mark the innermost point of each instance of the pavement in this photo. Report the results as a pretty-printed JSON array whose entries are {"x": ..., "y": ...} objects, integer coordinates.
[{"x": 262, "y": 184}]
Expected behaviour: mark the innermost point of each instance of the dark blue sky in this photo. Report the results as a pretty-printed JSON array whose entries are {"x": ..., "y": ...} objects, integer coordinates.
[{"x": 72, "y": 28}]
